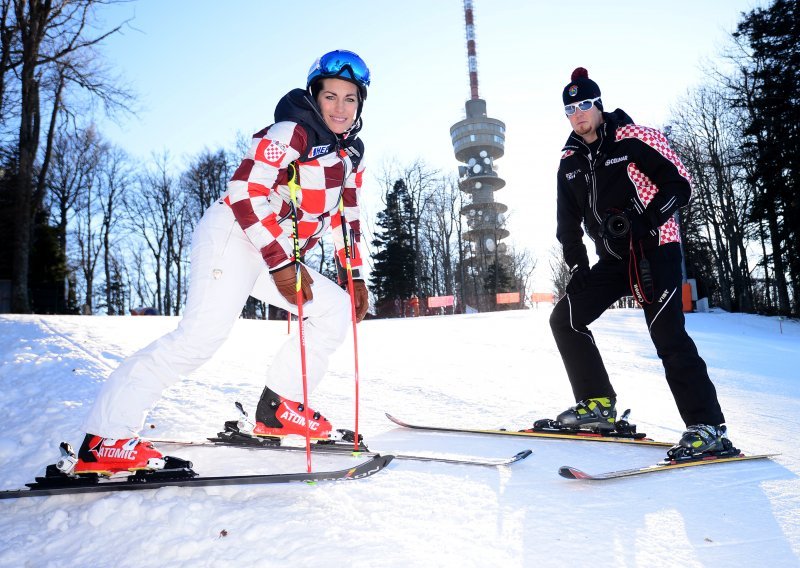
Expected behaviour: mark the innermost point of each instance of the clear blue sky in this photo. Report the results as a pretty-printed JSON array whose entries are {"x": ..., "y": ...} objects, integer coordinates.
[{"x": 205, "y": 70}]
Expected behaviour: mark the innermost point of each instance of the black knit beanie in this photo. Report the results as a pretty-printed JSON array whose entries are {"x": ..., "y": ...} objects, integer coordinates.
[{"x": 581, "y": 88}]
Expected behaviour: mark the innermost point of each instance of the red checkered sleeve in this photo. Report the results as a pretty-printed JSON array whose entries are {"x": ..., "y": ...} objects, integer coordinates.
[
  {"x": 259, "y": 174},
  {"x": 662, "y": 181},
  {"x": 351, "y": 195}
]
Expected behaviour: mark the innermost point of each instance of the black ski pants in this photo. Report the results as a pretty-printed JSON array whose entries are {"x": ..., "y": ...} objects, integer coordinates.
[{"x": 685, "y": 370}]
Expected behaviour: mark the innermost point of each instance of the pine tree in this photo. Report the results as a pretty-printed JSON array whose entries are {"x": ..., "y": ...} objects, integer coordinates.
[
  {"x": 497, "y": 281},
  {"x": 394, "y": 276}
]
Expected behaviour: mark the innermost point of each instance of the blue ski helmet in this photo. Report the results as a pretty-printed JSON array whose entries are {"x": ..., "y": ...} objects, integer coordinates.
[{"x": 339, "y": 64}]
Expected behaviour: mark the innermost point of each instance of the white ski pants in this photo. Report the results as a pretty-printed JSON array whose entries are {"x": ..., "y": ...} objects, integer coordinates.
[{"x": 226, "y": 268}]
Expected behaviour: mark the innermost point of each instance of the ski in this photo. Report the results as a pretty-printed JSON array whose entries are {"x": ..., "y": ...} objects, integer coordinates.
[
  {"x": 333, "y": 447},
  {"x": 574, "y": 473},
  {"x": 234, "y": 435},
  {"x": 56, "y": 484},
  {"x": 638, "y": 439}
]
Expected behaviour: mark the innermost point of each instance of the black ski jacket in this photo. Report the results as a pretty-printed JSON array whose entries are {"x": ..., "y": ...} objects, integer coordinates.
[{"x": 633, "y": 168}]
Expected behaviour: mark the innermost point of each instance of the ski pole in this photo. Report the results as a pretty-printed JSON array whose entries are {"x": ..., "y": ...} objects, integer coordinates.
[
  {"x": 293, "y": 186},
  {"x": 349, "y": 270}
]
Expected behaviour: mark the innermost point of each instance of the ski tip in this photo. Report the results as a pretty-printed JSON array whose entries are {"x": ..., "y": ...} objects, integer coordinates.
[
  {"x": 522, "y": 455},
  {"x": 572, "y": 473},
  {"x": 395, "y": 420}
]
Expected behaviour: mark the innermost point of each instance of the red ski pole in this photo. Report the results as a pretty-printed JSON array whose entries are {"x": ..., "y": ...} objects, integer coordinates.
[
  {"x": 293, "y": 186},
  {"x": 349, "y": 270}
]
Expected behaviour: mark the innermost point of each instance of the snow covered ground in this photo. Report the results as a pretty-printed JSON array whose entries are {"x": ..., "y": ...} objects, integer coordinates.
[{"x": 483, "y": 371}]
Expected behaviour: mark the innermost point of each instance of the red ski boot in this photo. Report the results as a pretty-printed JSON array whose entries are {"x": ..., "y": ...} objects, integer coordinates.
[
  {"x": 107, "y": 456},
  {"x": 278, "y": 416}
]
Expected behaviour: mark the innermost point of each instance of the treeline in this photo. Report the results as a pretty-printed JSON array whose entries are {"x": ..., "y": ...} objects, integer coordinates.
[
  {"x": 86, "y": 228},
  {"x": 419, "y": 250},
  {"x": 51, "y": 75},
  {"x": 112, "y": 232},
  {"x": 739, "y": 136}
]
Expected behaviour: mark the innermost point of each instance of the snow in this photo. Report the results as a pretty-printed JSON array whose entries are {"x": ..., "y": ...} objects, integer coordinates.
[{"x": 480, "y": 371}]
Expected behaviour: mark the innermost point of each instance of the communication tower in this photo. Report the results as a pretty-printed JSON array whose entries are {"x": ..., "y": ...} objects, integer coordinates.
[{"x": 478, "y": 141}]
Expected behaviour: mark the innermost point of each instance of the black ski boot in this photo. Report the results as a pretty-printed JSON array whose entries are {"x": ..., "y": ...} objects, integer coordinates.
[
  {"x": 598, "y": 414},
  {"x": 701, "y": 440}
]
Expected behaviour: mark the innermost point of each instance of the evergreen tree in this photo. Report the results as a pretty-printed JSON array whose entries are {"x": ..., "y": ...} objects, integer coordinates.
[
  {"x": 768, "y": 91},
  {"x": 498, "y": 280},
  {"x": 394, "y": 275}
]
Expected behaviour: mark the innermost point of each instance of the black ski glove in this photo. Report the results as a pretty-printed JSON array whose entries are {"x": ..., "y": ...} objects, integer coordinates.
[{"x": 578, "y": 280}]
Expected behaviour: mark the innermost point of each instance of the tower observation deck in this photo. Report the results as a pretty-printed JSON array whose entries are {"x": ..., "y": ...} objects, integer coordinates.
[{"x": 477, "y": 142}]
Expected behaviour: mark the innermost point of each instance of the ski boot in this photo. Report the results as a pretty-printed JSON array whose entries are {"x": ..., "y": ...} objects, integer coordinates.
[
  {"x": 701, "y": 440},
  {"x": 247, "y": 432},
  {"x": 596, "y": 414},
  {"x": 280, "y": 417},
  {"x": 107, "y": 456}
]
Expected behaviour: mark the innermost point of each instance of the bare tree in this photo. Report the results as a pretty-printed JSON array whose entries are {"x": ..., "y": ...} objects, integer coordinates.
[
  {"x": 114, "y": 180},
  {"x": 706, "y": 133},
  {"x": 443, "y": 216},
  {"x": 9, "y": 38},
  {"x": 179, "y": 239},
  {"x": 157, "y": 213},
  {"x": 559, "y": 271},
  {"x": 74, "y": 158},
  {"x": 55, "y": 49},
  {"x": 88, "y": 223},
  {"x": 138, "y": 282},
  {"x": 522, "y": 265},
  {"x": 206, "y": 179},
  {"x": 145, "y": 209}
]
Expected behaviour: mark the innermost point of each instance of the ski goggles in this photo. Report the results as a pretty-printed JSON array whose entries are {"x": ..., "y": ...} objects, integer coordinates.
[
  {"x": 572, "y": 108},
  {"x": 341, "y": 63}
]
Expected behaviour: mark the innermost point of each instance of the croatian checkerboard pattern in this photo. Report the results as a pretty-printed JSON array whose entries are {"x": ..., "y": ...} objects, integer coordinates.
[{"x": 259, "y": 195}]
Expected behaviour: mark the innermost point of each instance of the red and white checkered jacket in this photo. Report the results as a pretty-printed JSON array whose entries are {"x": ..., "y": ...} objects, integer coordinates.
[{"x": 258, "y": 193}]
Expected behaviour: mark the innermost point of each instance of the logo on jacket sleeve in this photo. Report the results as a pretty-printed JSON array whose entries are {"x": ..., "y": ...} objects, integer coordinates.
[
  {"x": 275, "y": 152},
  {"x": 571, "y": 175},
  {"x": 318, "y": 151}
]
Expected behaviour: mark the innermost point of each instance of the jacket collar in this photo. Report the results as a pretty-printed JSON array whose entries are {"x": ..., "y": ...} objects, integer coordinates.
[
  {"x": 298, "y": 106},
  {"x": 605, "y": 132}
]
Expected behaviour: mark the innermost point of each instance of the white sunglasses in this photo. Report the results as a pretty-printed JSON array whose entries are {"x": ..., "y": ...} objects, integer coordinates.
[{"x": 570, "y": 109}]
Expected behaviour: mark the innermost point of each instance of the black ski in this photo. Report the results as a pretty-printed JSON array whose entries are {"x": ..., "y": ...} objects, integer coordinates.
[
  {"x": 574, "y": 473},
  {"x": 65, "y": 485},
  {"x": 235, "y": 439},
  {"x": 638, "y": 439}
]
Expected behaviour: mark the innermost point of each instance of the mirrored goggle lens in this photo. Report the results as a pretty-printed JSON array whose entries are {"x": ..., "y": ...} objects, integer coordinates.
[{"x": 342, "y": 63}]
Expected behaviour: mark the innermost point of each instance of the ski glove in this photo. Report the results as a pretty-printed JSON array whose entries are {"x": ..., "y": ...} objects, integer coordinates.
[
  {"x": 578, "y": 280},
  {"x": 285, "y": 279},
  {"x": 361, "y": 299}
]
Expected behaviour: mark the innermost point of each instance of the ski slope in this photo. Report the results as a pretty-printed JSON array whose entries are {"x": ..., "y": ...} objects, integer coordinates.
[{"x": 480, "y": 371}]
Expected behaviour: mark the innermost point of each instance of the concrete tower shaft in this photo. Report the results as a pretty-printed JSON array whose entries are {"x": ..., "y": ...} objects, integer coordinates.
[{"x": 477, "y": 142}]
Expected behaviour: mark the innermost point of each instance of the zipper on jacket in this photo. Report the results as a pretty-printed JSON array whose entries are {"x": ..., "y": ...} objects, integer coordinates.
[{"x": 593, "y": 198}]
